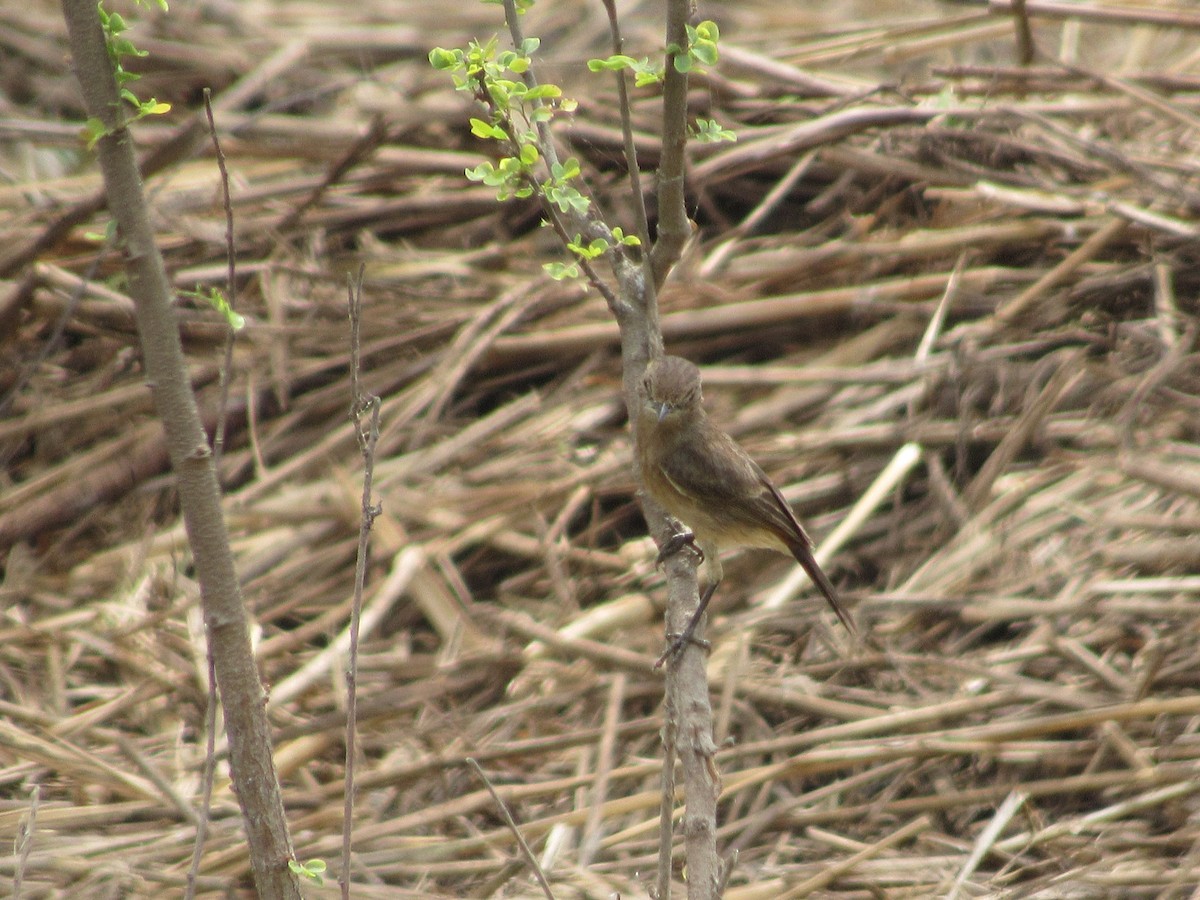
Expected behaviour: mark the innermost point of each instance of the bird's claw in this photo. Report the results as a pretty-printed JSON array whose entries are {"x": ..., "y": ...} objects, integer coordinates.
[
  {"x": 676, "y": 643},
  {"x": 677, "y": 542}
]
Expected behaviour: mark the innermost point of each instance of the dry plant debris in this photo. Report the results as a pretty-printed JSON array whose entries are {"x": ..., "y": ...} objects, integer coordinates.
[{"x": 1022, "y": 719}]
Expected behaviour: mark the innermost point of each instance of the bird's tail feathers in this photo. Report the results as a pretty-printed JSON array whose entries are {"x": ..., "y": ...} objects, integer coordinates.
[{"x": 804, "y": 556}]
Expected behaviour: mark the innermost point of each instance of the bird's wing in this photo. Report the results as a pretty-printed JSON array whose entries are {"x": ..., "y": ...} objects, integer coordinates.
[
  {"x": 742, "y": 497},
  {"x": 731, "y": 484},
  {"x": 774, "y": 505}
]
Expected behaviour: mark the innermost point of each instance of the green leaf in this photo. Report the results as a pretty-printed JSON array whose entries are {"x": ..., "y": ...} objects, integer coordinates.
[
  {"x": 313, "y": 870},
  {"x": 441, "y": 58},
  {"x": 613, "y": 63},
  {"x": 543, "y": 92},
  {"x": 501, "y": 91},
  {"x": 591, "y": 250},
  {"x": 629, "y": 240},
  {"x": 216, "y": 299},
  {"x": 595, "y": 248},
  {"x": 566, "y": 198},
  {"x": 93, "y": 130},
  {"x": 109, "y": 233},
  {"x": 709, "y": 131},
  {"x": 706, "y": 54},
  {"x": 481, "y": 172},
  {"x": 126, "y": 47},
  {"x": 566, "y": 170},
  {"x": 487, "y": 130},
  {"x": 561, "y": 271}
]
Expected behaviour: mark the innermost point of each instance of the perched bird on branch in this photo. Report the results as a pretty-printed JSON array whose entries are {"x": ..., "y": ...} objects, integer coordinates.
[{"x": 700, "y": 475}]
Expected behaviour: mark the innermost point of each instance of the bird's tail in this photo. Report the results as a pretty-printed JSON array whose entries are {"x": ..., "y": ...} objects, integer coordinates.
[{"x": 802, "y": 550}]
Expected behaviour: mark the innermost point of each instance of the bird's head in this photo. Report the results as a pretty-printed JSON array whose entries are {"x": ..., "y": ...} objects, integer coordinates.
[{"x": 672, "y": 389}]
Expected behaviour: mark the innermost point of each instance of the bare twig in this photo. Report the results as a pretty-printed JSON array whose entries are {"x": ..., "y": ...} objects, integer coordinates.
[
  {"x": 530, "y": 860},
  {"x": 208, "y": 772},
  {"x": 367, "y": 432},
  {"x": 230, "y": 285}
]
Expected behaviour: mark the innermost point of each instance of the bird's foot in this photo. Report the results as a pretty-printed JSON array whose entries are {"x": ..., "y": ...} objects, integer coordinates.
[
  {"x": 676, "y": 643},
  {"x": 677, "y": 542}
]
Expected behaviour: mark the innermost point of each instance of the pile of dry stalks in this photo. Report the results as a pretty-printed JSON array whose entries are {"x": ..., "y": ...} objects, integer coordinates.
[{"x": 919, "y": 261}]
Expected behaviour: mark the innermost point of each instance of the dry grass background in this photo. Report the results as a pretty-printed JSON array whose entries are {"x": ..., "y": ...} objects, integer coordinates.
[{"x": 1022, "y": 718}]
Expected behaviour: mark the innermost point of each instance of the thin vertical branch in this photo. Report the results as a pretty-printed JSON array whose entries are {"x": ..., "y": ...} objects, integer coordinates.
[
  {"x": 674, "y": 228},
  {"x": 1025, "y": 49},
  {"x": 206, "y": 780},
  {"x": 649, "y": 284},
  {"x": 225, "y": 617},
  {"x": 630, "y": 148},
  {"x": 230, "y": 285},
  {"x": 688, "y": 707},
  {"x": 368, "y": 437},
  {"x": 666, "y": 809}
]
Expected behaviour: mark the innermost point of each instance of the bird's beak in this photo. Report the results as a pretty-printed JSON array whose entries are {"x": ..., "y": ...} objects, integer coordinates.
[{"x": 663, "y": 409}]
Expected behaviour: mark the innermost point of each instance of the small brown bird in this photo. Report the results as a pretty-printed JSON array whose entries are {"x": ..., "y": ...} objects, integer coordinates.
[{"x": 702, "y": 477}]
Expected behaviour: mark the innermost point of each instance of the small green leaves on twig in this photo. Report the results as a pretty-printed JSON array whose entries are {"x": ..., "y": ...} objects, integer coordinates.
[
  {"x": 629, "y": 240},
  {"x": 313, "y": 870},
  {"x": 589, "y": 251},
  {"x": 709, "y": 131},
  {"x": 560, "y": 193},
  {"x": 701, "y": 49},
  {"x": 109, "y": 235},
  {"x": 215, "y": 298},
  {"x": 515, "y": 110},
  {"x": 483, "y": 72},
  {"x": 482, "y": 129},
  {"x": 509, "y": 177},
  {"x": 562, "y": 271},
  {"x": 593, "y": 249},
  {"x": 113, "y": 25},
  {"x": 644, "y": 71}
]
